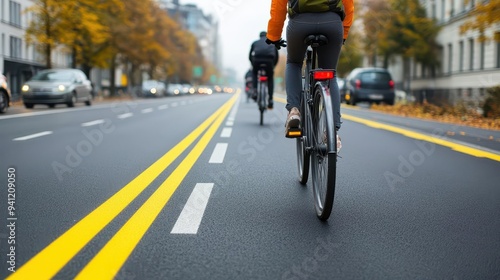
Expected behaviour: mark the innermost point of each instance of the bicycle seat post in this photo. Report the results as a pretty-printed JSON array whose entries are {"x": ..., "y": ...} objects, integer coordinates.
[{"x": 315, "y": 41}]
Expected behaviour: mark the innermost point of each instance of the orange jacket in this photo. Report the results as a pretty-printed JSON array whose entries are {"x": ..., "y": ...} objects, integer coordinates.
[{"x": 279, "y": 10}]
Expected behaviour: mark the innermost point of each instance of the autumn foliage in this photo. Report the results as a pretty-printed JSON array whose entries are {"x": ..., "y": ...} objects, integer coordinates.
[
  {"x": 461, "y": 113},
  {"x": 102, "y": 33}
]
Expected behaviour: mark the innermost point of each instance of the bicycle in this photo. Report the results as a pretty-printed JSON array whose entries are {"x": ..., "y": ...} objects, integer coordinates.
[
  {"x": 262, "y": 92},
  {"x": 316, "y": 139}
]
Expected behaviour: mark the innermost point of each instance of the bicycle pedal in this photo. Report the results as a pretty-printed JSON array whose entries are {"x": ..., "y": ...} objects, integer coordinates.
[{"x": 293, "y": 133}]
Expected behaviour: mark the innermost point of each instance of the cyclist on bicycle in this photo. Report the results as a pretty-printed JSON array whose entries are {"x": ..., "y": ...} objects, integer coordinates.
[
  {"x": 331, "y": 18},
  {"x": 248, "y": 83},
  {"x": 262, "y": 53}
]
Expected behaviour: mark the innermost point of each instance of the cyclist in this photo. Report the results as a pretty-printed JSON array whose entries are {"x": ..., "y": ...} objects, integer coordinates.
[
  {"x": 248, "y": 83},
  {"x": 332, "y": 18},
  {"x": 263, "y": 53}
]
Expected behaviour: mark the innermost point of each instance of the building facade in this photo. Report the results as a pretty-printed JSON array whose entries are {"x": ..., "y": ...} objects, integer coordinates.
[
  {"x": 468, "y": 66},
  {"x": 204, "y": 27},
  {"x": 19, "y": 60}
]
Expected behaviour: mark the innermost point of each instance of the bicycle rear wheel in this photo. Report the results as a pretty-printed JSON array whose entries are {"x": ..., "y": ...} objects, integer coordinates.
[
  {"x": 262, "y": 100},
  {"x": 323, "y": 152},
  {"x": 303, "y": 155}
]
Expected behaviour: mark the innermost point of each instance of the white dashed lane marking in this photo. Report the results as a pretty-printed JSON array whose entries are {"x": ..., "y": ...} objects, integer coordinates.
[
  {"x": 218, "y": 153},
  {"x": 31, "y": 136},
  {"x": 96, "y": 122},
  {"x": 148, "y": 110},
  {"x": 124, "y": 116},
  {"x": 190, "y": 218},
  {"x": 226, "y": 132}
]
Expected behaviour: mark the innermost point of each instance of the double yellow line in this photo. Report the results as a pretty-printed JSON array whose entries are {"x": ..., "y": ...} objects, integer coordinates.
[{"x": 108, "y": 261}]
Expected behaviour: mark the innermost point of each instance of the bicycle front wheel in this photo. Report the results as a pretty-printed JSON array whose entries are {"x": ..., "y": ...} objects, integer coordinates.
[
  {"x": 303, "y": 155},
  {"x": 323, "y": 152}
]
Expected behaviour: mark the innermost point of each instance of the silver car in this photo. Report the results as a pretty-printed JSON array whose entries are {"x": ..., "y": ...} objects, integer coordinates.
[
  {"x": 4, "y": 94},
  {"x": 57, "y": 86}
]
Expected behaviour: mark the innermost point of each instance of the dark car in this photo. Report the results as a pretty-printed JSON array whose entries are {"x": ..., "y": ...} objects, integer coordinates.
[
  {"x": 341, "y": 84},
  {"x": 4, "y": 94},
  {"x": 373, "y": 85},
  {"x": 153, "y": 88},
  {"x": 57, "y": 86}
]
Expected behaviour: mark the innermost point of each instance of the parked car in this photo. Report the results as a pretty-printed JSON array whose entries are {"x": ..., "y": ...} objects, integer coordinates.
[
  {"x": 174, "y": 89},
  {"x": 341, "y": 84},
  {"x": 153, "y": 88},
  {"x": 373, "y": 85},
  {"x": 57, "y": 86},
  {"x": 5, "y": 97}
]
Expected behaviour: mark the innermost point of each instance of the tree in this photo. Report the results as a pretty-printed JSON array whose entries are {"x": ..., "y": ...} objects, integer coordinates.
[
  {"x": 411, "y": 34},
  {"x": 86, "y": 31},
  {"x": 484, "y": 15},
  {"x": 42, "y": 31},
  {"x": 375, "y": 15},
  {"x": 351, "y": 55}
]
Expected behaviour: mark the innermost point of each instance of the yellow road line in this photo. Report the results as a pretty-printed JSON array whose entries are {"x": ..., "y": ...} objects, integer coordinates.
[
  {"x": 432, "y": 139},
  {"x": 113, "y": 255},
  {"x": 56, "y": 255}
]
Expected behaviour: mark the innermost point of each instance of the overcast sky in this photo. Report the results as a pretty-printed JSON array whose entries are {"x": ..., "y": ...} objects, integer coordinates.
[{"x": 241, "y": 21}]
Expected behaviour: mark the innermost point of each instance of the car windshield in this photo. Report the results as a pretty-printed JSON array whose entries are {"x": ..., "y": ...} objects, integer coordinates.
[
  {"x": 149, "y": 84},
  {"x": 375, "y": 77},
  {"x": 54, "y": 76}
]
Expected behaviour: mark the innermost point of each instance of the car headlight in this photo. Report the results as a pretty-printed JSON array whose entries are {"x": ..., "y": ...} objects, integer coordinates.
[
  {"x": 153, "y": 91},
  {"x": 25, "y": 88},
  {"x": 61, "y": 88}
]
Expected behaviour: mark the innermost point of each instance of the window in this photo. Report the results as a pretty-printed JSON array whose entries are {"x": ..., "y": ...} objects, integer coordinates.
[
  {"x": 497, "y": 35},
  {"x": 442, "y": 9},
  {"x": 450, "y": 58},
  {"x": 15, "y": 47},
  {"x": 471, "y": 54},
  {"x": 15, "y": 13},
  {"x": 461, "y": 56},
  {"x": 481, "y": 56}
]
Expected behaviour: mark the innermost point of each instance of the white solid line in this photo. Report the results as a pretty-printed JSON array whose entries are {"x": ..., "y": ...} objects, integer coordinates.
[
  {"x": 190, "y": 218},
  {"x": 226, "y": 132},
  {"x": 148, "y": 110},
  {"x": 162, "y": 107},
  {"x": 27, "y": 137},
  {"x": 96, "y": 122},
  {"x": 126, "y": 115},
  {"x": 218, "y": 153}
]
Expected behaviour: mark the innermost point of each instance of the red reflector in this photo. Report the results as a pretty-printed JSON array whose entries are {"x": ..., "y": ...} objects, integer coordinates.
[
  {"x": 323, "y": 75},
  {"x": 262, "y": 78},
  {"x": 358, "y": 84},
  {"x": 391, "y": 84}
]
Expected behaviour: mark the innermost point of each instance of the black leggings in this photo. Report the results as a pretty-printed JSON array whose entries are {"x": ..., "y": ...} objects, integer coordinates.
[
  {"x": 256, "y": 65},
  {"x": 299, "y": 27}
]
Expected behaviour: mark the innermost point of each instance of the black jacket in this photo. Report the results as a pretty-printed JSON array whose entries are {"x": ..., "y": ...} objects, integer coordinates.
[{"x": 261, "y": 50}]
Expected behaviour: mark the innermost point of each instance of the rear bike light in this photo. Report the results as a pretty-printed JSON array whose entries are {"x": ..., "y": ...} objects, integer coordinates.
[
  {"x": 262, "y": 78},
  {"x": 323, "y": 75}
]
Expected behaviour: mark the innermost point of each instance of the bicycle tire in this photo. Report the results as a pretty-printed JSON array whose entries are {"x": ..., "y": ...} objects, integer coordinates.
[
  {"x": 323, "y": 152},
  {"x": 262, "y": 101},
  {"x": 303, "y": 154}
]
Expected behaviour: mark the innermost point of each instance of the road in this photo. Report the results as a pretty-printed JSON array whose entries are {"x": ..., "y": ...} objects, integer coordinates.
[{"x": 193, "y": 187}]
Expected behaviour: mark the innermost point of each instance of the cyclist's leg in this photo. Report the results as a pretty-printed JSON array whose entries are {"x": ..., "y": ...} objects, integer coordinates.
[
  {"x": 331, "y": 27},
  {"x": 297, "y": 30},
  {"x": 270, "y": 83},
  {"x": 255, "y": 70}
]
